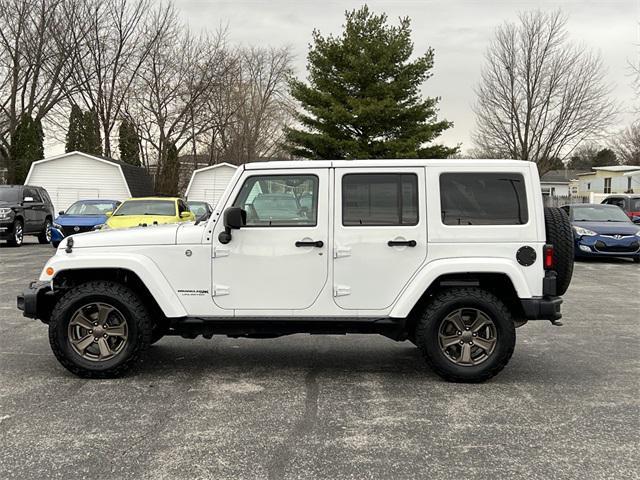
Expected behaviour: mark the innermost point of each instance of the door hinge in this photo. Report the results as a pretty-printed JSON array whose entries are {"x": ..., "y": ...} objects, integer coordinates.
[
  {"x": 339, "y": 252},
  {"x": 341, "y": 290},
  {"x": 219, "y": 290},
  {"x": 220, "y": 252}
]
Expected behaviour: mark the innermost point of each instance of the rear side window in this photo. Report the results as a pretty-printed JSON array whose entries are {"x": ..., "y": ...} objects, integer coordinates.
[
  {"x": 635, "y": 204},
  {"x": 379, "y": 199},
  {"x": 483, "y": 199}
]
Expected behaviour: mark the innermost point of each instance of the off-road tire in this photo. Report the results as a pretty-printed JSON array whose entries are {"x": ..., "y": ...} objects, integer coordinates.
[
  {"x": 560, "y": 235},
  {"x": 12, "y": 241},
  {"x": 42, "y": 236},
  {"x": 127, "y": 302},
  {"x": 446, "y": 302}
]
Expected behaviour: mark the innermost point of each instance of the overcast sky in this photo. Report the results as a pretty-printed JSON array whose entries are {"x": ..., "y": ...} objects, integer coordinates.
[{"x": 458, "y": 30}]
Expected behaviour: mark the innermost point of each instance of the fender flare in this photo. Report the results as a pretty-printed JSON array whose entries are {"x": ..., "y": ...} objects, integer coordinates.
[
  {"x": 142, "y": 266},
  {"x": 425, "y": 277}
]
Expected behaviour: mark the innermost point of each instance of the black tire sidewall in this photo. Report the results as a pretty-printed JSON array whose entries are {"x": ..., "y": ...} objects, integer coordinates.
[
  {"x": 12, "y": 241},
  {"x": 58, "y": 334},
  {"x": 428, "y": 340}
]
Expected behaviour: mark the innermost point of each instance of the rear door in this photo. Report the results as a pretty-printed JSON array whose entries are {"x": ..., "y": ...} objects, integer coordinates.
[{"x": 380, "y": 234}]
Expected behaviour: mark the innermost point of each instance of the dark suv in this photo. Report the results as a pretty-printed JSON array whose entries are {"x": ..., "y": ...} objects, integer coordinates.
[{"x": 25, "y": 210}]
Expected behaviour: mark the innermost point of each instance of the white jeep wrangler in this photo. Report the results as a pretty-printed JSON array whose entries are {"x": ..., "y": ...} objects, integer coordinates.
[{"x": 451, "y": 255}]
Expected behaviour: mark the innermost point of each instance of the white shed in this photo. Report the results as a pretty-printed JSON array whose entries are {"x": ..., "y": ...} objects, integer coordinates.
[
  {"x": 75, "y": 175},
  {"x": 208, "y": 184}
]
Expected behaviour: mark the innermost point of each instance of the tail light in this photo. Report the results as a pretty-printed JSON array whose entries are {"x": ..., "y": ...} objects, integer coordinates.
[{"x": 547, "y": 255}]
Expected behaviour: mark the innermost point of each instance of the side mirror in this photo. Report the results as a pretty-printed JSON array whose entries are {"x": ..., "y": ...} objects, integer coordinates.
[
  {"x": 234, "y": 219},
  {"x": 185, "y": 215},
  {"x": 28, "y": 200},
  {"x": 108, "y": 214},
  {"x": 61, "y": 212},
  {"x": 635, "y": 219}
]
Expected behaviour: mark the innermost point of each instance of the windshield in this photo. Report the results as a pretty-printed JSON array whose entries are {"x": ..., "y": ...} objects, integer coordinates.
[
  {"x": 599, "y": 213},
  {"x": 198, "y": 208},
  {"x": 147, "y": 207},
  {"x": 90, "y": 208},
  {"x": 9, "y": 194}
]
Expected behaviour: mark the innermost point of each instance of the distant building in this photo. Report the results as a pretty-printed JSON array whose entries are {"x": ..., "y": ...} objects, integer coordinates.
[
  {"x": 613, "y": 179},
  {"x": 76, "y": 176},
  {"x": 209, "y": 183},
  {"x": 560, "y": 183}
]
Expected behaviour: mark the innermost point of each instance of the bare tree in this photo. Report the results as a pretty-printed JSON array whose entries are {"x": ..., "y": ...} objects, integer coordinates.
[
  {"x": 116, "y": 38},
  {"x": 36, "y": 56},
  {"x": 540, "y": 95},
  {"x": 627, "y": 145}
]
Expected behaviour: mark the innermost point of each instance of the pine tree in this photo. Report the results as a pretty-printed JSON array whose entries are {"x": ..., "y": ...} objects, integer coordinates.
[
  {"x": 27, "y": 146},
  {"x": 362, "y": 99},
  {"x": 91, "y": 139},
  {"x": 129, "y": 143},
  {"x": 75, "y": 133},
  {"x": 168, "y": 171}
]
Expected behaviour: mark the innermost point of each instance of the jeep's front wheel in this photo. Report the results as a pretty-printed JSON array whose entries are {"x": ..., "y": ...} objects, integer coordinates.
[
  {"x": 466, "y": 335},
  {"x": 99, "y": 329}
]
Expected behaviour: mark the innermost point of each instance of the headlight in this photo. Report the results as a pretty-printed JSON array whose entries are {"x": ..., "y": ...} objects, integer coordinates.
[
  {"x": 57, "y": 225},
  {"x": 638, "y": 233},
  {"x": 584, "y": 232},
  {"x": 5, "y": 212},
  {"x": 100, "y": 227}
]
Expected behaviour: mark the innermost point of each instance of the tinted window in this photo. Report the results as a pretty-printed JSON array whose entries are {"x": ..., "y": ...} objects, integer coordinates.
[
  {"x": 379, "y": 199},
  {"x": 598, "y": 213},
  {"x": 90, "y": 208},
  {"x": 280, "y": 200},
  {"x": 483, "y": 199},
  {"x": 147, "y": 207},
  {"x": 635, "y": 204}
]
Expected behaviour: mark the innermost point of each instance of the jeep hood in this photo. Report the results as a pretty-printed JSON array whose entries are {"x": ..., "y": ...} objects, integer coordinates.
[{"x": 152, "y": 235}]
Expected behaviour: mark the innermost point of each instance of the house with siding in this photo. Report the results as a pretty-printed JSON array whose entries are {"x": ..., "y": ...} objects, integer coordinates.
[
  {"x": 612, "y": 179},
  {"x": 79, "y": 176}
]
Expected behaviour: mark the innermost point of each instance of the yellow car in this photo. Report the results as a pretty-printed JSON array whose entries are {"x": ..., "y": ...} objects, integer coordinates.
[{"x": 136, "y": 211}]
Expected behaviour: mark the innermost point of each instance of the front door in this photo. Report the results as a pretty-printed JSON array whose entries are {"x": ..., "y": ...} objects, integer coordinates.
[
  {"x": 279, "y": 260},
  {"x": 380, "y": 234}
]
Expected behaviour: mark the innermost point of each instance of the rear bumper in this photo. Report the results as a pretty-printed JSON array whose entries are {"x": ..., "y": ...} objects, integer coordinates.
[
  {"x": 36, "y": 301},
  {"x": 542, "y": 308}
]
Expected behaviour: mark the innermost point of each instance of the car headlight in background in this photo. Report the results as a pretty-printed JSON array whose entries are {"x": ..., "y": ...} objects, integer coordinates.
[
  {"x": 102, "y": 226},
  {"x": 583, "y": 232},
  {"x": 56, "y": 225},
  {"x": 5, "y": 213},
  {"x": 638, "y": 233}
]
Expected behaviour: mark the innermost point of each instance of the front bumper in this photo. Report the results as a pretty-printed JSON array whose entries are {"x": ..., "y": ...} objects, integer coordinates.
[
  {"x": 6, "y": 229},
  {"x": 607, "y": 246},
  {"x": 36, "y": 301},
  {"x": 542, "y": 308}
]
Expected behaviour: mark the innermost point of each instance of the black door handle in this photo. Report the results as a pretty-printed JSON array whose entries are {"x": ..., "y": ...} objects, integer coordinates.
[
  {"x": 402, "y": 243},
  {"x": 318, "y": 244}
]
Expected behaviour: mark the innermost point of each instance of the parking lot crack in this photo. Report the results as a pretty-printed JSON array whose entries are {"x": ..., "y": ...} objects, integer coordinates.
[{"x": 303, "y": 427}]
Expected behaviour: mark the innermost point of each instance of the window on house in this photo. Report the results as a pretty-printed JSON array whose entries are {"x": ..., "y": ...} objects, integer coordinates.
[
  {"x": 379, "y": 199},
  {"x": 629, "y": 184},
  {"x": 483, "y": 199},
  {"x": 607, "y": 185}
]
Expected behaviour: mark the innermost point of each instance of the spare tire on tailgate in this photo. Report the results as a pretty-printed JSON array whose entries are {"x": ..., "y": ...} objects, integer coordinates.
[{"x": 560, "y": 235}]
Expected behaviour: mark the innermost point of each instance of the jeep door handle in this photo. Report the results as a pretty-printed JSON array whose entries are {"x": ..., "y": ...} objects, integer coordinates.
[
  {"x": 402, "y": 243},
  {"x": 318, "y": 244}
]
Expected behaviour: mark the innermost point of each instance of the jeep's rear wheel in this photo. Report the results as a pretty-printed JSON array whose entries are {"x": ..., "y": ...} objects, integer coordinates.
[
  {"x": 466, "y": 335},
  {"x": 99, "y": 329}
]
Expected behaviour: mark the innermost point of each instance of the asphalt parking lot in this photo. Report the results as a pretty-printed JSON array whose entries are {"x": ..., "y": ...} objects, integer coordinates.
[{"x": 567, "y": 406}]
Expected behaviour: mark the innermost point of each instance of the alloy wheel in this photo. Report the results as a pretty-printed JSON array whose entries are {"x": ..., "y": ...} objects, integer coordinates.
[
  {"x": 47, "y": 231},
  {"x": 18, "y": 234},
  {"x": 98, "y": 332},
  {"x": 467, "y": 337}
]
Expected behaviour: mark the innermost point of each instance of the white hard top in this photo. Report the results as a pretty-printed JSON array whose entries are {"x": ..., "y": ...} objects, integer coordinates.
[{"x": 436, "y": 162}]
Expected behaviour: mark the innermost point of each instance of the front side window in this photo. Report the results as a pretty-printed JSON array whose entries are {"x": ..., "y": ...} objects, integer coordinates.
[
  {"x": 279, "y": 200},
  {"x": 483, "y": 199},
  {"x": 166, "y": 208},
  {"x": 379, "y": 199}
]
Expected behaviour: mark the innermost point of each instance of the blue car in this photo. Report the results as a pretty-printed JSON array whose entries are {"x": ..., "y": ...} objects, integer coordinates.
[
  {"x": 604, "y": 231},
  {"x": 82, "y": 216}
]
